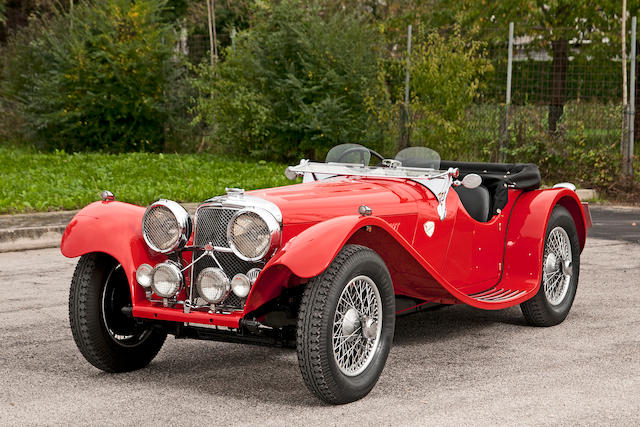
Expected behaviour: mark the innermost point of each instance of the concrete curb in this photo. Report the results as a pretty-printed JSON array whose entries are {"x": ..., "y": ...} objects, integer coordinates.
[
  {"x": 44, "y": 230},
  {"x": 586, "y": 194},
  {"x": 26, "y": 238},
  {"x": 40, "y": 230}
]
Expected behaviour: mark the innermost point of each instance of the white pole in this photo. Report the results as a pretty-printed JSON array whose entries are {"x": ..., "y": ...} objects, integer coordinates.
[
  {"x": 632, "y": 95},
  {"x": 215, "y": 35},
  {"x": 509, "y": 64},
  {"x": 623, "y": 36},
  {"x": 508, "y": 99},
  {"x": 407, "y": 77},
  {"x": 210, "y": 31},
  {"x": 406, "y": 90},
  {"x": 625, "y": 111}
]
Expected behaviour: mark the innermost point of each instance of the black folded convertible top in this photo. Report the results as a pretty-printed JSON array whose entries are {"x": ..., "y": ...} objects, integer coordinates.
[
  {"x": 496, "y": 177},
  {"x": 524, "y": 176}
]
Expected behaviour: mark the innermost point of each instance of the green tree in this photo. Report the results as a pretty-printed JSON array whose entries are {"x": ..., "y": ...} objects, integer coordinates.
[
  {"x": 555, "y": 23},
  {"x": 95, "y": 78},
  {"x": 445, "y": 74},
  {"x": 294, "y": 84}
]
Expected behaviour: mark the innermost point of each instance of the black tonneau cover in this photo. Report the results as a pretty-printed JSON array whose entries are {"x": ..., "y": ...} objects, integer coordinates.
[
  {"x": 524, "y": 176},
  {"x": 496, "y": 177}
]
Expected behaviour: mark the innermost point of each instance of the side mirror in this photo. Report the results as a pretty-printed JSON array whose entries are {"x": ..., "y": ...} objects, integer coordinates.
[
  {"x": 472, "y": 180},
  {"x": 290, "y": 174}
]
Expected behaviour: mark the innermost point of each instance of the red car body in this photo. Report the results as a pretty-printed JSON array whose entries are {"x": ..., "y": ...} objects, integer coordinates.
[
  {"x": 325, "y": 265},
  {"x": 489, "y": 265}
]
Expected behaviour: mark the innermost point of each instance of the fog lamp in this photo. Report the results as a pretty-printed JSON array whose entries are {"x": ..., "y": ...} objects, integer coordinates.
[
  {"x": 166, "y": 279},
  {"x": 241, "y": 285},
  {"x": 144, "y": 275},
  {"x": 213, "y": 285}
]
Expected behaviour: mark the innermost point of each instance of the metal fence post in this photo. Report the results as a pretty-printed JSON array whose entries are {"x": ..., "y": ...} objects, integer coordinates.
[
  {"x": 407, "y": 122},
  {"x": 508, "y": 100},
  {"x": 408, "y": 73},
  {"x": 632, "y": 97}
]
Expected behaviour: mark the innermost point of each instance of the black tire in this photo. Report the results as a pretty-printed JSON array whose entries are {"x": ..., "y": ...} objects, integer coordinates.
[
  {"x": 539, "y": 310},
  {"x": 106, "y": 337},
  {"x": 316, "y": 359}
]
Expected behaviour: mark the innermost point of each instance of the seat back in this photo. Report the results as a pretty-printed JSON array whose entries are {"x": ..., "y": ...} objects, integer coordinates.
[{"x": 476, "y": 201}]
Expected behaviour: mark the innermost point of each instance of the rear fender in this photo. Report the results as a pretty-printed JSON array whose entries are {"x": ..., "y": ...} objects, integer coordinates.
[
  {"x": 113, "y": 228},
  {"x": 525, "y": 237}
]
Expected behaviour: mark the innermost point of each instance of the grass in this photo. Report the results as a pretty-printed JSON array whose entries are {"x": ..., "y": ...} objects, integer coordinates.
[{"x": 31, "y": 181}]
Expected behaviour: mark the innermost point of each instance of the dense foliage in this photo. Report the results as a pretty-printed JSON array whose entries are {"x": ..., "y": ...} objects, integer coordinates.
[
  {"x": 292, "y": 85},
  {"x": 445, "y": 78},
  {"x": 95, "y": 78},
  {"x": 588, "y": 157},
  {"x": 293, "y": 78}
]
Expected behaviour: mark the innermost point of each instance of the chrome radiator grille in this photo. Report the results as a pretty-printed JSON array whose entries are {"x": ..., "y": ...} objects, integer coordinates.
[{"x": 211, "y": 227}]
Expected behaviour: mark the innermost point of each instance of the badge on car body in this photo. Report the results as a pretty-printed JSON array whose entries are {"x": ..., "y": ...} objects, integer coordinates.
[{"x": 429, "y": 228}]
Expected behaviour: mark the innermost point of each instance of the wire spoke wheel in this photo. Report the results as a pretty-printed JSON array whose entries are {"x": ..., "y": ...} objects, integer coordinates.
[
  {"x": 557, "y": 266},
  {"x": 345, "y": 326},
  {"x": 356, "y": 325},
  {"x": 560, "y": 272}
]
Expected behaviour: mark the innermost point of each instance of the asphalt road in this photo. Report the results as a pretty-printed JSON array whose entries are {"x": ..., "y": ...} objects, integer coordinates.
[
  {"x": 455, "y": 366},
  {"x": 615, "y": 222}
]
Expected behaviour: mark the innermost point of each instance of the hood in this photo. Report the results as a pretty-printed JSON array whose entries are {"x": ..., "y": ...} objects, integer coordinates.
[{"x": 321, "y": 200}]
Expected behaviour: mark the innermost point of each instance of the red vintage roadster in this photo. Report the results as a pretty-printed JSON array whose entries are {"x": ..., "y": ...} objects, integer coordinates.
[{"x": 324, "y": 265}]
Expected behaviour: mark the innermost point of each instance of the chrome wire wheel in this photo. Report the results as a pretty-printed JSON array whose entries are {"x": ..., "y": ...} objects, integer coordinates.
[
  {"x": 357, "y": 324},
  {"x": 557, "y": 267}
]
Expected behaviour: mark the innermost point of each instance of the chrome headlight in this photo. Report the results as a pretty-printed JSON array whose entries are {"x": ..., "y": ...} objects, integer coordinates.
[
  {"x": 213, "y": 285},
  {"x": 166, "y": 279},
  {"x": 166, "y": 226},
  {"x": 253, "y": 234}
]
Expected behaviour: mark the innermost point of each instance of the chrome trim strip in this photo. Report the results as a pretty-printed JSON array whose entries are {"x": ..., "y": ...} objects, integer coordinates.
[{"x": 568, "y": 185}]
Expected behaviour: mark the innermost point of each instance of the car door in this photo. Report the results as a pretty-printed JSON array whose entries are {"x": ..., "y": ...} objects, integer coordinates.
[{"x": 475, "y": 252}]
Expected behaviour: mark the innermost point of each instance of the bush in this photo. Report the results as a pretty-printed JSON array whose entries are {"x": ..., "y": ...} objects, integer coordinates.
[
  {"x": 445, "y": 72},
  {"x": 587, "y": 157},
  {"x": 94, "y": 79},
  {"x": 294, "y": 84}
]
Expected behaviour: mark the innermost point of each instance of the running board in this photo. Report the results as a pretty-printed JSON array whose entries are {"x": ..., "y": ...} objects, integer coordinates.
[{"x": 498, "y": 295}]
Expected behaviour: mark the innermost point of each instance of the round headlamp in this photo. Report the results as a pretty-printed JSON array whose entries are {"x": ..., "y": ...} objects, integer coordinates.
[
  {"x": 144, "y": 275},
  {"x": 213, "y": 285},
  {"x": 253, "y": 234},
  {"x": 166, "y": 226},
  {"x": 166, "y": 279}
]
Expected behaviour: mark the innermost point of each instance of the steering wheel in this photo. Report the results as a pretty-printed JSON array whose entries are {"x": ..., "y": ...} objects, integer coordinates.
[{"x": 362, "y": 151}]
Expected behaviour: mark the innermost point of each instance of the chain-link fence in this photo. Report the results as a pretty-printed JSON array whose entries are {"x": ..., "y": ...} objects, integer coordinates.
[
  {"x": 566, "y": 92},
  {"x": 559, "y": 96}
]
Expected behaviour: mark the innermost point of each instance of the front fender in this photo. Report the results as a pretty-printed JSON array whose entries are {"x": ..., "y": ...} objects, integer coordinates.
[
  {"x": 113, "y": 228},
  {"x": 310, "y": 252},
  {"x": 307, "y": 255}
]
